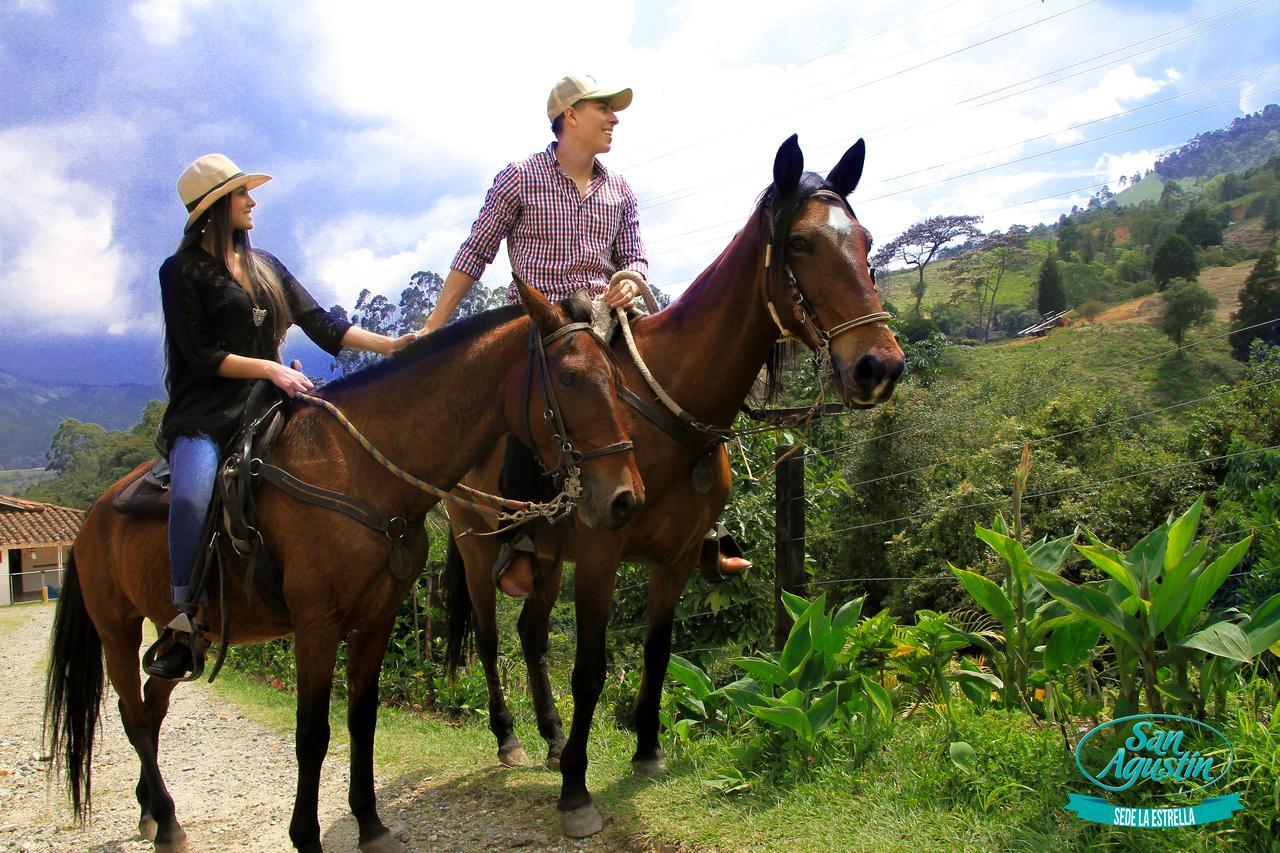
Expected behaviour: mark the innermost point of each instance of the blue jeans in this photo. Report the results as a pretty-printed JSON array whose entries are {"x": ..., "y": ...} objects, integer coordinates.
[{"x": 193, "y": 466}]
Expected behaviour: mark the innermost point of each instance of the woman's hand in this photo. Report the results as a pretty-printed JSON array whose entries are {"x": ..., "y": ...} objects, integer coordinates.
[
  {"x": 288, "y": 379},
  {"x": 394, "y": 345}
]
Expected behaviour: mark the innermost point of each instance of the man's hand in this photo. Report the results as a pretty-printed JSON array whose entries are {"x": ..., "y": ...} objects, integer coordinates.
[{"x": 622, "y": 293}]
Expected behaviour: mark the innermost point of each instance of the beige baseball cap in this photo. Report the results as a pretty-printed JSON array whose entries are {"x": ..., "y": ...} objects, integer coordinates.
[{"x": 581, "y": 87}]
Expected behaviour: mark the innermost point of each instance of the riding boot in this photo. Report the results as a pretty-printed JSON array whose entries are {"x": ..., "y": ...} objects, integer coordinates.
[{"x": 179, "y": 660}]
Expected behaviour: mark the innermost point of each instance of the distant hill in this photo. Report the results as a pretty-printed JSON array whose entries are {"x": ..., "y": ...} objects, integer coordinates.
[
  {"x": 31, "y": 411},
  {"x": 1248, "y": 141}
]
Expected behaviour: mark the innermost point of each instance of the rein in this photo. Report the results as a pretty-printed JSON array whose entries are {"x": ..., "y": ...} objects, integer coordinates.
[
  {"x": 771, "y": 417},
  {"x": 503, "y": 509}
]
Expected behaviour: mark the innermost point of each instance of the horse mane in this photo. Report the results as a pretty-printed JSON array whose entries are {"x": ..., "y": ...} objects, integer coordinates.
[
  {"x": 771, "y": 209},
  {"x": 578, "y": 308}
]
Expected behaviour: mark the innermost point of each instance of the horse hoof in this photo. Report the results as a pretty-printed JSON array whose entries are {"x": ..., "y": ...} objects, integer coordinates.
[
  {"x": 553, "y": 762},
  {"x": 649, "y": 767},
  {"x": 177, "y": 844},
  {"x": 388, "y": 842},
  {"x": 514, "y": 757},
  {"x": 147, "y": 828},
  {"x": 581, "y": 822}
]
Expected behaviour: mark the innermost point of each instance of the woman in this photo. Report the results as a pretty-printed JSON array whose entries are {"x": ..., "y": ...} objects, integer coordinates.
[{"x": 227, "y": 307}]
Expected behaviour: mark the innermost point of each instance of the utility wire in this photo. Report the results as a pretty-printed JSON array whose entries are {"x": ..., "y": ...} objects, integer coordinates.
[{"x": 935, "y": 506}]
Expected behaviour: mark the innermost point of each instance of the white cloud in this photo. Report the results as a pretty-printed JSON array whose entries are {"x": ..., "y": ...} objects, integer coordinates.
[
  {"x": 60, "y": 268},
  {"x": 166, "y": 22},
  {"x": 1111, "y": 166}
]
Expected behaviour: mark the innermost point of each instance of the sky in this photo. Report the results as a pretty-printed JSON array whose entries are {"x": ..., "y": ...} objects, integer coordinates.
[{"x": 385, "y": 122}]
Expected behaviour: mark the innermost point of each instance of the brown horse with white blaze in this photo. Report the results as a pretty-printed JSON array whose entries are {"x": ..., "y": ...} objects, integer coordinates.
[
  {"x": 436, "y": 410},
  {"x": 798, "y": 268}
]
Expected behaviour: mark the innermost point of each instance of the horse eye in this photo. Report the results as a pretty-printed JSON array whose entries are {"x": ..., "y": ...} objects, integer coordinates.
[
  {"x": 568, "y": 378},
  {"x": 799, "y": 244}
]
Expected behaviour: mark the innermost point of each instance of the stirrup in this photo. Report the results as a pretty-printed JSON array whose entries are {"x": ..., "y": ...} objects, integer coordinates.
[
  {"x": 718, "y": 542},
  {"x": 523, "y": 544},
  {"x": 183, "y": 629}
]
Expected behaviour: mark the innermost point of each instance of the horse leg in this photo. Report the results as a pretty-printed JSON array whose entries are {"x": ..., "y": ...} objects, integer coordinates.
[
  {"x": 365, "y": 652},
  {"x": 121, "y": 652},
  {"x": 315, "y": 652},
  {"x": 534, "y": 625},
  {"x": 484, "y": 607},
  {"x": 665, "y": 586},
  {"x": 155, "y": 705},
  {"x": 594, "y": 578}
]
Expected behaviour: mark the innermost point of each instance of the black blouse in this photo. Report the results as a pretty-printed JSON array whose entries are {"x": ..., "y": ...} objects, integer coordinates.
[{"x": 207, "y": 316}]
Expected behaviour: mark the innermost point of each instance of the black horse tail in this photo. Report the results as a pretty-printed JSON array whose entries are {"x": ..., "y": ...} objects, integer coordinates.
[
  {"x": 457, "y": 604},
  {"x": 73, "y": 692}
]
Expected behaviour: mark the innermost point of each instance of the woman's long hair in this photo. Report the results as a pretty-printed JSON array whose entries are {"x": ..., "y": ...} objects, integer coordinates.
[{"x": 262, "y": 284}]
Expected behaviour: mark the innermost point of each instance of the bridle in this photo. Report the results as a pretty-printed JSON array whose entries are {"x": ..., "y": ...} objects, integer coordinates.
[
  {"x": 567, "y": 457},
  {"x": 822, "y": 338}
]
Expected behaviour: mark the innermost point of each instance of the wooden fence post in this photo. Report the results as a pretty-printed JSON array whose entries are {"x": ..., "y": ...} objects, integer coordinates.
[{"x": 788, "y": 535}]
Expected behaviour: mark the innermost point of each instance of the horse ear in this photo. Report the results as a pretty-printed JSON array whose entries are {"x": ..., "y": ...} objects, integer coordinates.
[
  {"x": 538, "y": 307},
  {"x": 787, "y": 167},
  {"x": 845, "y": 176}
]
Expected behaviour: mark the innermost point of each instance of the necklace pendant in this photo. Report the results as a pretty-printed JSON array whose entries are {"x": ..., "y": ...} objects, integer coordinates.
[{"x": 259, "y": 314}]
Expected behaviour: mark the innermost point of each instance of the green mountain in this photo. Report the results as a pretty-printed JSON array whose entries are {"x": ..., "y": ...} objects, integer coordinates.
[
  {"x": 31, "y": 411},
  {"x": 1248, "y": 141}
]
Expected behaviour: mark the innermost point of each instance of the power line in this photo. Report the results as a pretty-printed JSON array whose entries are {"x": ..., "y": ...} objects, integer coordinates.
[
  {"x": 649, "y": 203},
  {"x": 1064, "y": 383},
  {"x": 1103, "y": 425},
  {"x": 1065, "y": 489}
]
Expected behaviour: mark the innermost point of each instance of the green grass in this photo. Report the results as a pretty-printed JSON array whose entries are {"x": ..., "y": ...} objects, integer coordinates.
[
  {"x": 1016, "y": 289},
  {"x": 15, "y": 480},
  {"x": 905, "y": 795},
  {"x": 1103, "y": 356}
]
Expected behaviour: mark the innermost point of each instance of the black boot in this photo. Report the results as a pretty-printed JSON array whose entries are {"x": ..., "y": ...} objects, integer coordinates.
[
  {"x": 175, "y": 663},
  {"x": 179, "y": 660}
]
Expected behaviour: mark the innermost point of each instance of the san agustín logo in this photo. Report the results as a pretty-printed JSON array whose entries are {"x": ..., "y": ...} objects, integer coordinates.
[{"x": 1154, "y": 754}]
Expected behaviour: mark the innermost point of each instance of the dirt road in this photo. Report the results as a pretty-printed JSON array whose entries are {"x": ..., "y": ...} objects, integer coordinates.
[{"x": 226, "y": 801}]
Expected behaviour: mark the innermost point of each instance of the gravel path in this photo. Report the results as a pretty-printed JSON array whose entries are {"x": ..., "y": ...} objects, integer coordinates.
[{"x": 225, "y": 801}]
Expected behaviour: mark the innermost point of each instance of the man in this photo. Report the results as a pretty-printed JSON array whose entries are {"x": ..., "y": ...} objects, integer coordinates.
[{"x": 570, "y": 224}]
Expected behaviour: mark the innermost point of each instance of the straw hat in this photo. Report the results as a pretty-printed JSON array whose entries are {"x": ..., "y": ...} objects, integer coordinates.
[
  {"x": 583, "y": 87},
  {"x": 209, "y": 179}
]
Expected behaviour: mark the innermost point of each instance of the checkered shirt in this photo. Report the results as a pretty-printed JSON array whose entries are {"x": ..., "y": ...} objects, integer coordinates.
[{"x": 558, "y": 240}]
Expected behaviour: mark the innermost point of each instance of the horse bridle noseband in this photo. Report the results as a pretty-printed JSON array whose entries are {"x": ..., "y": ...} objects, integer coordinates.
[
  {"x": 568, "y": 457},
  {"x": 807, "y": 313}
]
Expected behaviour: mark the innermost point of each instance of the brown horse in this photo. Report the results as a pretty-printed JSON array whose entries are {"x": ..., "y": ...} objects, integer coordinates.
[
  {"x": 436, "y": 409},
  {"x": 799, "y": 266}
]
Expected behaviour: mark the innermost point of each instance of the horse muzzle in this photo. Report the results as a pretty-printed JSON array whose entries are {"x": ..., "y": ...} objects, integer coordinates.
[
  {"x": 869, "y": 381},
  {"x": 607, "y": 509}
]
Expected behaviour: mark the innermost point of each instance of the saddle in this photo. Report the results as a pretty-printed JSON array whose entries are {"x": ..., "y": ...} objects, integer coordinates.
[{"x": 232, "y": 511}]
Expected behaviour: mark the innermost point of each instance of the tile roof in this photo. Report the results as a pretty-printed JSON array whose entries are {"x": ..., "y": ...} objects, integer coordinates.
[{"x": 24, "y": 523}]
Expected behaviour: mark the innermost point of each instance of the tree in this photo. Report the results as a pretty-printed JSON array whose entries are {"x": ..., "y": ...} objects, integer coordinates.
[
  {"x": 1232, "y": 187},
  {"x": 919, "y": 243},
  {"x": 1050, "y": 296},
  {"x": 379, "y": 314},
  {"x": 1271, "y": 215},
  {"x": 1200, "y": 228},
  {"x": 88, "y": 458},
  {"x": 1186, "y": 304},
  {"x": 984, "y": 268},
  {"x": 1175, "y": 258},
  {"x": 1172, "y": 197},
  {"x": 1068, "y": 237},
  {"x": 1259, "y": 303}
]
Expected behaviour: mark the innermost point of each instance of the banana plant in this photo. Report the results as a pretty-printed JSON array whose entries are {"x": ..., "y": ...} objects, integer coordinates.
[
  {"x": 817, "y": 678},
  {"x": 1153, "y": 611},
  {"x": 1027, "y": 614},
  {"x": 926, "y": 653}
]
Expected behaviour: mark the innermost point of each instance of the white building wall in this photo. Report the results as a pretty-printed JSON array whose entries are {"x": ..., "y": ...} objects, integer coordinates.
[{"x": 4, "y": 577}]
